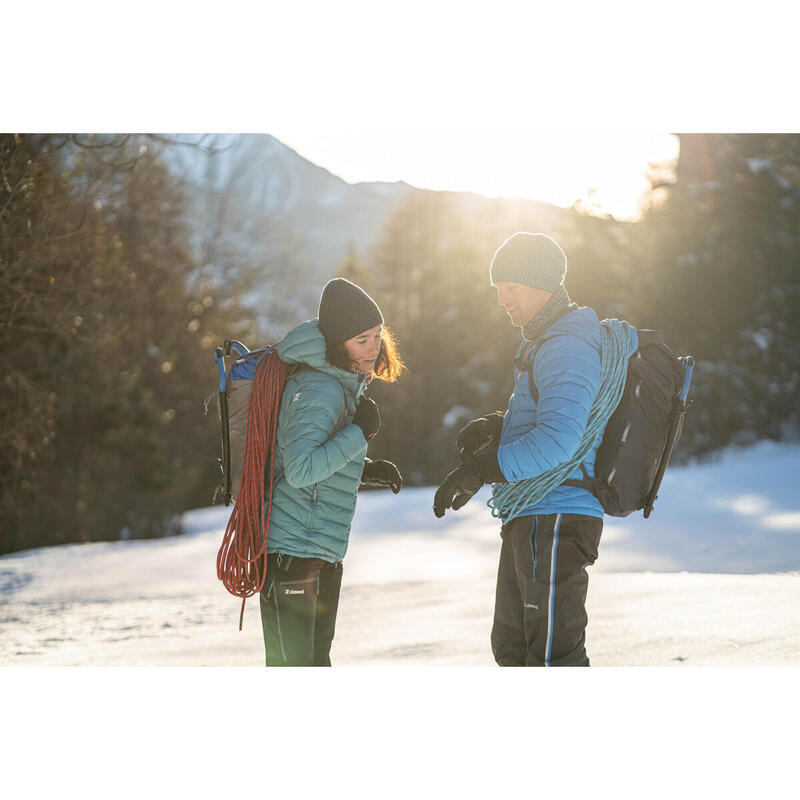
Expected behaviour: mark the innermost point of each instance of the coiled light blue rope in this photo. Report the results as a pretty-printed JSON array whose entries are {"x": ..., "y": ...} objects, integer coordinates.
[{"x": 509, "y": 500}]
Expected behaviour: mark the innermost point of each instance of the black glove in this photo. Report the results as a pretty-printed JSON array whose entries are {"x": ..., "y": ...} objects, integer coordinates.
[
  {"x": 382, "y": 473},
  {"x": 367, "y": 417},
  {"x": 481, "y": 431},
  {"x": 462, "y": 483}
]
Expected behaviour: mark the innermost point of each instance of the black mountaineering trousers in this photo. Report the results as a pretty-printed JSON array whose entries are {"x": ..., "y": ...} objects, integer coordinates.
[
  {"x": 540, "y": 606},
  {"x": 298, "y": 610}
]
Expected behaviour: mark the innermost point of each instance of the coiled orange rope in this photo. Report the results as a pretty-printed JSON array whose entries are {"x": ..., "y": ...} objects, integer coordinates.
[{"x": 242, "y": 557}]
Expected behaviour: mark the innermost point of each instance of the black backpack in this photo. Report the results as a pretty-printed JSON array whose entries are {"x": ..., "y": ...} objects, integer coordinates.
[{"x": 644, "y": 428}]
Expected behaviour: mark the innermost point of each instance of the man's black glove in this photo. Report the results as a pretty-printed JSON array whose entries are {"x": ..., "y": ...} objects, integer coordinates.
[
  {"x": 367, "y": 417},
  {"x": 382, "y": 473},
  {"x": 479, "y": 432},
  {"x": 462, "y": 483}
]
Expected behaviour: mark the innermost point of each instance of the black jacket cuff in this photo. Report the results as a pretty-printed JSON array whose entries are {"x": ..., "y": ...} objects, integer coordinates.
[{"x": 488, "y": 467}]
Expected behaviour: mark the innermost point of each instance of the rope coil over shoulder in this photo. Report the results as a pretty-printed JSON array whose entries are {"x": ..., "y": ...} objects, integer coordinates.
[
  {"x": 509, "y": 500},
  {"x": 242, "y": 557}
]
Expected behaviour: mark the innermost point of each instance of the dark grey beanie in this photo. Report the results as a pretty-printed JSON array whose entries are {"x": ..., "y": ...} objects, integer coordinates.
[
  {"x": 530, "y": 258},
  {"x": 345, "y": 310}
]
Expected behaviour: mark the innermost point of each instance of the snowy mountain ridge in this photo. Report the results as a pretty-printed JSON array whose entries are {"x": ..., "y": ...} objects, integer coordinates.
[{"x": 290, "y": 215}]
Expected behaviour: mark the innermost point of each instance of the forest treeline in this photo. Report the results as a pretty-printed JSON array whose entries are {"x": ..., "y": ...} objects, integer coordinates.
[
  {"x": 107, "y": 322},
  {"x": 112, "y": 302},
  {"x": 714, "y": 263}
]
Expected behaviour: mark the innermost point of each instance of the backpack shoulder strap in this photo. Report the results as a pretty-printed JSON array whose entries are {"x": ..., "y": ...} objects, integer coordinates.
[
  {"x": 531, "y": 384},
  {"x": 296, "y": 369},
  {"x": 531, "y": 358},
  {"x": 340, "y": 421},
  {"x": 646, "y": 337}
]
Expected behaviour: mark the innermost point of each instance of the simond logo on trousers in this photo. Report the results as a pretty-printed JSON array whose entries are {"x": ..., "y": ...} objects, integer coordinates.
[{"x": 294, "y": 591}]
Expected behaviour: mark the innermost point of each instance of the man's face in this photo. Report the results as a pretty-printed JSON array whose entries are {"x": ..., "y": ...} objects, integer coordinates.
[{"x": 521, "y": 302}]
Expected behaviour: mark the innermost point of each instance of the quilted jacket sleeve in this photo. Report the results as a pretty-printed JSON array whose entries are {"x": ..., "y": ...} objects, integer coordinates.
[
  {"x": 311, "y": 454},
  {"x": 567, "y": 377}
]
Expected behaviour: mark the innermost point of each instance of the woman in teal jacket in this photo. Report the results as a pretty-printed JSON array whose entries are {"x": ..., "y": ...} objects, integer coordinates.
[{"x": 324, "y": 425}]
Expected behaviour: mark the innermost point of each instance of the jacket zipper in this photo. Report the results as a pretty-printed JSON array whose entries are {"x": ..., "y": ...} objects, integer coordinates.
[
  {"x": 292, "y": 583},
  {"x": 314, "y": 495}
]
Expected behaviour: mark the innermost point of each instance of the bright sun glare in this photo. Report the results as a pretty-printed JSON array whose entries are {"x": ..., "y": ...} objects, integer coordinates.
[{"x": 605, "y": 172}]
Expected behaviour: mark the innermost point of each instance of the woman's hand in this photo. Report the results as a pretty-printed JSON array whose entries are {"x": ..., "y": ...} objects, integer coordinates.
[
  {"x": 382, "y": 473},
  {"x": 367, "y": 417}
]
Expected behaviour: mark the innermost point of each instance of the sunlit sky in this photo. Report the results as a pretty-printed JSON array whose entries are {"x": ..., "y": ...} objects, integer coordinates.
[
  {"x": 555, "y": 167},
  {"x": 543, "y": 101}
]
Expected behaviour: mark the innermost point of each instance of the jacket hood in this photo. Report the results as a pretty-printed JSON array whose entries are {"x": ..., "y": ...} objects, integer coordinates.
[{"x": 305, "y": 344}]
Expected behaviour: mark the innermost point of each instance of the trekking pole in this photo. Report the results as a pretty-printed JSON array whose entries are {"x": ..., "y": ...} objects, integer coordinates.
[
  {"x": 234, "y": 345},
  {"x": 676, "y": 423},
  {"x": 225, "y": 461},
  {"x": 230, "y": 346}
]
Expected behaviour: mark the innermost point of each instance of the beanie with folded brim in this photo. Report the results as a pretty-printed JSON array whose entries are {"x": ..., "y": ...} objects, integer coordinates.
[
  {"x": 530, "y": 258},
  {"x": 345, "y": 310}
]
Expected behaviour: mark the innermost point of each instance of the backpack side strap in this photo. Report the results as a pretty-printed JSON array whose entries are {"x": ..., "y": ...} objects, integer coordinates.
[
  {"x": 587, "y": 482},
  {"x": 649, "y": 337}
]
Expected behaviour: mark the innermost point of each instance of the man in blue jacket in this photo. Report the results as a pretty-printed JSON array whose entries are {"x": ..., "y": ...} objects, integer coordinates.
[{"x": 540, "y": 615}]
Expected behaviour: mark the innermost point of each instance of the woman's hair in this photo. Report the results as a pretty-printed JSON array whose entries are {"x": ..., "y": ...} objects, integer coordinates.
[{"x": 388, "y": 366}]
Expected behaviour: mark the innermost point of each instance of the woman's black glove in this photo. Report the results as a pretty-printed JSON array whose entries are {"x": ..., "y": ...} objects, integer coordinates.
[
  {"x": 367, "y": 417},
  {"x": 382, "y": 473},
  {"x": 462, "y": 483},
  {"x": 481, "y": 431}
]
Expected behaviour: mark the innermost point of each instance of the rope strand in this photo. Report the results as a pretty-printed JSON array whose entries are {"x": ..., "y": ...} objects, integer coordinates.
[{"x": 242, "y": 557}]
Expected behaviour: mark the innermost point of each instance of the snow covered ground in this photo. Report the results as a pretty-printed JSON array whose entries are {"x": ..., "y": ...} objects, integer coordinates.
[{"x": 712, "y": 578}]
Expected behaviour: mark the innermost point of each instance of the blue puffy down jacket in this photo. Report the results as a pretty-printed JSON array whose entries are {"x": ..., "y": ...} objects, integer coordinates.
[{"x": 537, "y": 436}]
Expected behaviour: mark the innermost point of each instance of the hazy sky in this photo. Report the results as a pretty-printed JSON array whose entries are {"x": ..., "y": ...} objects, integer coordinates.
[
  {"x": 516, "y": 99},
  {"x": 507, "y": 100},
  {"x": 555, "y": 166}
]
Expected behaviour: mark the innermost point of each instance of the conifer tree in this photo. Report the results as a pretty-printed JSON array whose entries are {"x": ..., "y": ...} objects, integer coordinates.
[
  {"x": 719, "y": 275},
  {"x": 107, "y": 335}
]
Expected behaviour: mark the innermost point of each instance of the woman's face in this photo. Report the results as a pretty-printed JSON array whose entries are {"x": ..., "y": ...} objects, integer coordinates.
[{"x": 363, "y": 349}]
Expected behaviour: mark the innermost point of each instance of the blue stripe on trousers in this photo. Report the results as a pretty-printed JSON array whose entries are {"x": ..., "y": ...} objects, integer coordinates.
[{"x": 551, "y": 602}]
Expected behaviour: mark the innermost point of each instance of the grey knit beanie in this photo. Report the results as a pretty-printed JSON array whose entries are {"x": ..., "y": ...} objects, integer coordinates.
[
  {"x": 530, "y": 258},
  {"x": 345, "y": 310}
]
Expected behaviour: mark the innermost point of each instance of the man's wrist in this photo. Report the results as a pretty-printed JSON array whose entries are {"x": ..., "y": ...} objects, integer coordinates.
[{"x": 488, "y": 467}]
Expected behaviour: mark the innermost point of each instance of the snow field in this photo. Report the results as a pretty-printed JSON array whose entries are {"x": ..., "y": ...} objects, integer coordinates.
[{"x": 712, "y": 578}]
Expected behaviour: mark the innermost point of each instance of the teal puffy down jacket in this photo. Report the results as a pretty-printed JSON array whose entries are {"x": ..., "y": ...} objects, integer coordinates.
[{"x": 320, "y": 453}]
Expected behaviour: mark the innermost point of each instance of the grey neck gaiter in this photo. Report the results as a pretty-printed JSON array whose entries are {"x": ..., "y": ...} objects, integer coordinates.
[{"x": 558, "y": 305}]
